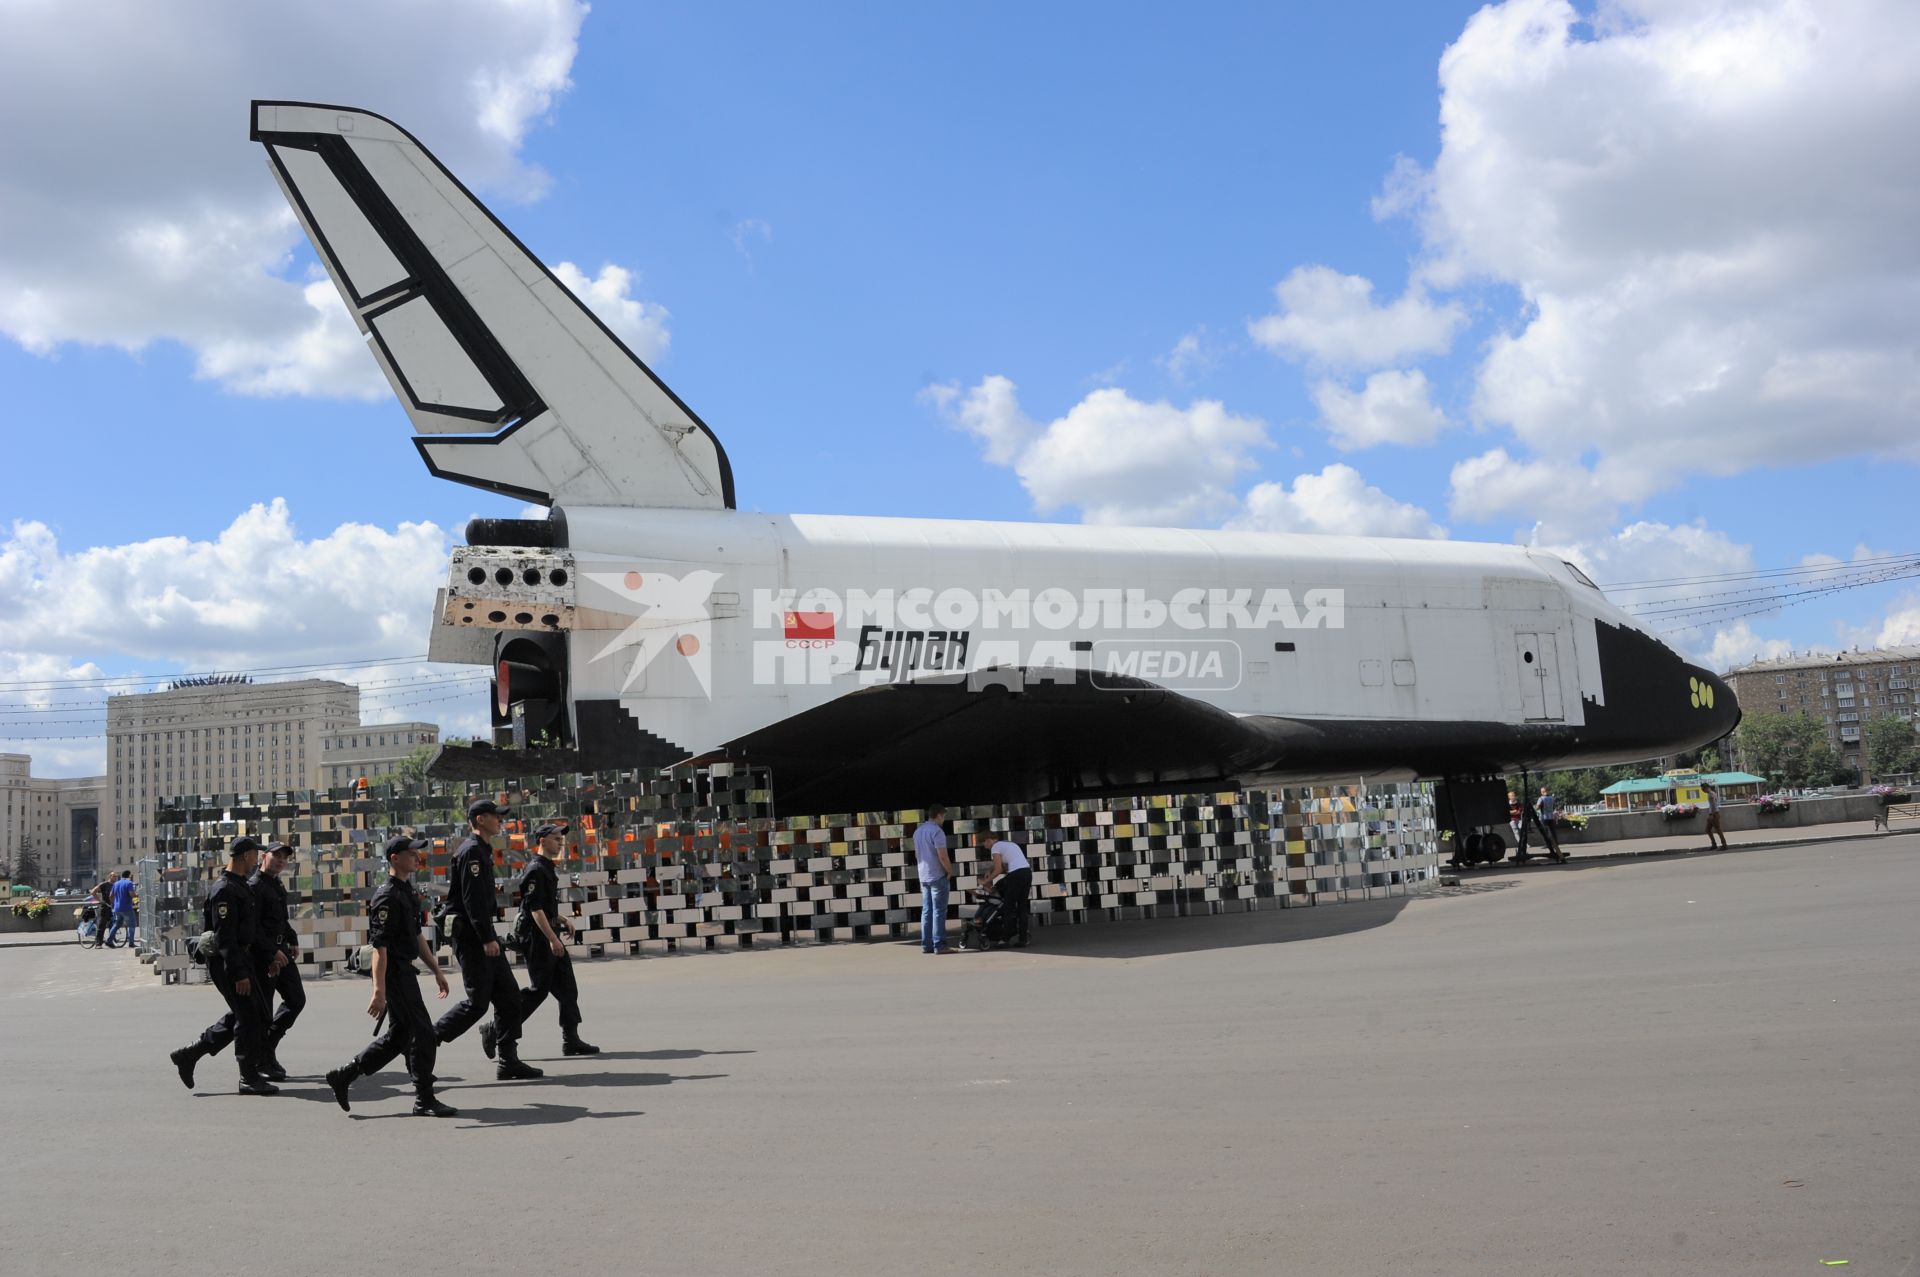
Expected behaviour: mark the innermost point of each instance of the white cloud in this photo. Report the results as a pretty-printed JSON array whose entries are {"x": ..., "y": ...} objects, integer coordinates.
[
  {"x": 1338, "y": 502},
  {"x": 256, "y": 596},
  {"x": 749, "y": 231},
  {"x": 1902, "y": 624},
  {"x": 1115, "y": 458},
  {"x": 641, "y": 324},
  {"x": 1572, "y": 504},
  {"x": 139, "y": 212},
  {"x": 1705, "y": 212},
  {"x": 991, "y": 413},
  {"x": 1193, "y": 355},
  {"x": 1651, "y": 551},
  {"x": 1737, "y": 644},
  {"x": 1393, "y": 407},
  {"x": 1330, "y": 318}
]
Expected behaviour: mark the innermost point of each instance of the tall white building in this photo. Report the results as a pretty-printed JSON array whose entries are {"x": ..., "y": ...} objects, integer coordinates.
[
  {"x": 58, "y": 818},
  {"x": 350, "y": 754},
  {"x": 214, "y": 736}
]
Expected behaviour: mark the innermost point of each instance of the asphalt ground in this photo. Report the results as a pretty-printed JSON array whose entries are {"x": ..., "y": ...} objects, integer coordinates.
[{"x": 1704, "y": 1064}]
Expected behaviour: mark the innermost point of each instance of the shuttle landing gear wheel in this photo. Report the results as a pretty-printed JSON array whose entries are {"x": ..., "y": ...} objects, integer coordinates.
[{"x": 1482, "y": 849}]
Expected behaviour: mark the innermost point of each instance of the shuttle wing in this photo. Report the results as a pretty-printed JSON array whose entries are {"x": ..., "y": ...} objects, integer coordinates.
[{"x": 513, "y": 384}]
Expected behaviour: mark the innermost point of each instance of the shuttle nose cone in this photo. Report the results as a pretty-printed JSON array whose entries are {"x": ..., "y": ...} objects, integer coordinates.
[{"x": 1711, "y": 702}]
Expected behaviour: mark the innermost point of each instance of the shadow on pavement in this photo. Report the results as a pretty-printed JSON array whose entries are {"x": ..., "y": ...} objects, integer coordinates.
[
  {"x": 1154, "y": 937},
  {"x": 605, "y": 1056}
]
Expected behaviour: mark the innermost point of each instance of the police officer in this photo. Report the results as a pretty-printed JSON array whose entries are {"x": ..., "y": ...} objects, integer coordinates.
[
  {"x": 282, "y": 971},
  {"x": 549, "y": 966},
  {"x": 230, "y": 913},
  {"x": 484, "y": 971},
  {"x": 394, "y": 931}
]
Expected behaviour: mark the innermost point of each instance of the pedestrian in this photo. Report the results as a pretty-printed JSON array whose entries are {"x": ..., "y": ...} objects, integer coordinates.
[
  {"x": 485, "y": 975},
  {"x": 102, "y": 910},
  {"x": 1010, "y": 875},
  {"x": 125, "y": 913},
  {"x": 230, "y": 914},
  {"x": 1516, "y": 819},
  {"x": 549, "y": 965},
  {"x": 282, "y": 974},
  {"x": 1713, "y": 817},
  {"x": 936, "y": 877},
  {"x": 394, "y": 931},
  {"x": 1545, "y": 806}
]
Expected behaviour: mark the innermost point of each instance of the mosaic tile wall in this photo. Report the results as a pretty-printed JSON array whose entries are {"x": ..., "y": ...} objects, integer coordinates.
[{"x": 697, "y": 860}]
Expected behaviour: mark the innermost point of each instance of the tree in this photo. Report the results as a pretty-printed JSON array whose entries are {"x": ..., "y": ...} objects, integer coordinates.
[
  {"x": 1709, "y": 761},
  {"x": 1791, "y": 748},
  {"x": 26, "y": 863},
  {"x": 412, "y": 767},
  {"x": 1892, "y": 747}
]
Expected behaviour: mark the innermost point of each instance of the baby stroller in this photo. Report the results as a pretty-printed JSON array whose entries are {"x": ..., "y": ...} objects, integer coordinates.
[{"x": 992, "y": 924}]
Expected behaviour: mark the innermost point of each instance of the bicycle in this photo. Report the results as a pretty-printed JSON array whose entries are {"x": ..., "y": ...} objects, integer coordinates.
[{"x": 87, "y": 931}]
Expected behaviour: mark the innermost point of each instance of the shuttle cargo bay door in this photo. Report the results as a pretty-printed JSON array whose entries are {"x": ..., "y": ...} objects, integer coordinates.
[{"x": 1539, "y": 677}]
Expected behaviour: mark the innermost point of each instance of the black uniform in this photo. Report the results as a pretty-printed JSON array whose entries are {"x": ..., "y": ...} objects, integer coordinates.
[
  {"x": 232, "y": 914},
  {"x": 486, "y": 980},
  {"x": 394, "y": 921},
  {"x": 547, "y": 973},
  {"x": 276, "y": 932}
]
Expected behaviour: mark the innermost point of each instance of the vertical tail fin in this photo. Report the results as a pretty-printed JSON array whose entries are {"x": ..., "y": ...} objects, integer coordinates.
[{"x": 513, "y": 384}]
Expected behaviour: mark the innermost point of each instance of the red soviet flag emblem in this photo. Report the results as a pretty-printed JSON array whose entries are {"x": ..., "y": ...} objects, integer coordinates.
[{"x": 809, "y": 627}]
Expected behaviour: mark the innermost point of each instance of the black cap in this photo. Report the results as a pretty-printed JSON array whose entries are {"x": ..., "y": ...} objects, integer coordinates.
[
  {"x": 486, "y": 807},
  {"x": 277, "y": 845},
  {"x": 401, "y": 842},
  {"x": 242, "y": 845},
  {"x": 551, "y": 827}
]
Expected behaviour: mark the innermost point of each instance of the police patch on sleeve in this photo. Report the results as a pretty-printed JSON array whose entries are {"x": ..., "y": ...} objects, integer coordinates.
[
  {"x": 380, "y": 917},
  {"x": 473, "y": 867},
  {"x": 222, "y": 911}
]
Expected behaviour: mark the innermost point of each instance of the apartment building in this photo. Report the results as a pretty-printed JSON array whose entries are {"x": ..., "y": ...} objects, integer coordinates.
[{"x": 1844, "y": 690}]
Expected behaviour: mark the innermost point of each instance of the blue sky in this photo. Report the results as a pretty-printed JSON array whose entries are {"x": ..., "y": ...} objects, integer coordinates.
[{"x": 856, "y": 218}]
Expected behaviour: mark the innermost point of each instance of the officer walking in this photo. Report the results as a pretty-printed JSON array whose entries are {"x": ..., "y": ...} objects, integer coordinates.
[
  {"x": 282, "y": 972},
  {"x": 230, "y": 914},
  {"x": 484, "y": 971},
  {"x": 394, "y": 931},
  {"x": 549, "y": 965}
]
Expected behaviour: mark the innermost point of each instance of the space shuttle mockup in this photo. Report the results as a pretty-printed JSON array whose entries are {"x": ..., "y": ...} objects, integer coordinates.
[{"x": 875, "y": 662}]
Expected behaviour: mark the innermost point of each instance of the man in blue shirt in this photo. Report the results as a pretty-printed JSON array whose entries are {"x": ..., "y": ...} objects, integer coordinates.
[
  {"x": 936, "y": 875},
  {"x": 123, "y": 910}
]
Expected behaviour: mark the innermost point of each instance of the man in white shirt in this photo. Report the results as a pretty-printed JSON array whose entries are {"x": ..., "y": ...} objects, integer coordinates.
[
  {"x": 1010, "y": 875},
  {"x": 1713, "y": 816},
  {"x": 936, "y": 876}
]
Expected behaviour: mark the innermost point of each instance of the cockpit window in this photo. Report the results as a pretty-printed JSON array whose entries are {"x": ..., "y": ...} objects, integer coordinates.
[{"x": 1579, "y": 576}]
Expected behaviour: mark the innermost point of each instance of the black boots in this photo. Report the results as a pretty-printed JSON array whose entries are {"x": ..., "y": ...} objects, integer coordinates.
[
  {"x": 342, "y": 1078},
  {"x": 425, "y": 1105},
  {"x": 252, "y": 1081},
  {"x": 489, "y": 1038},
  {"x": 572, "y": 1045},
  {"x": 511, "y": 1068},
  {"x": 183, "y": 1061}
]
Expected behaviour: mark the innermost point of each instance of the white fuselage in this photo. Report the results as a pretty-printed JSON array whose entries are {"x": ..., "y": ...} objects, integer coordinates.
[{"x": 708, "y": 625}]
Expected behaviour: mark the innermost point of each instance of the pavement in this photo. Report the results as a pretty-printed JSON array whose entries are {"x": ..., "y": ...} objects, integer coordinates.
[{"x": 1699, "y": 1064}]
